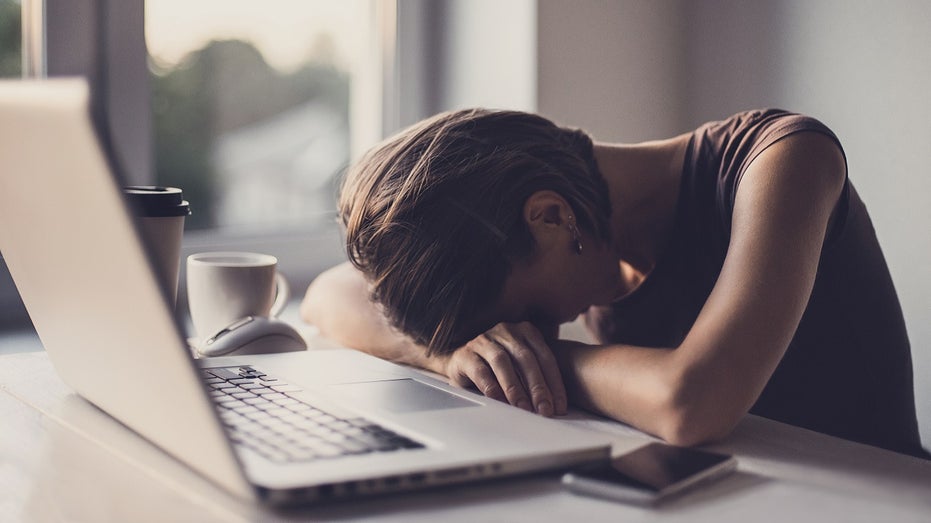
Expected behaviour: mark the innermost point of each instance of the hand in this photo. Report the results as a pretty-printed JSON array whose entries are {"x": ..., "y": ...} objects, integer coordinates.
[{"x": 511, "y": 362}]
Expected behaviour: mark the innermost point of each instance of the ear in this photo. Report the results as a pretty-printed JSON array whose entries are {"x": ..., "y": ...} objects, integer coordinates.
[{"x": 546, "y": 213}]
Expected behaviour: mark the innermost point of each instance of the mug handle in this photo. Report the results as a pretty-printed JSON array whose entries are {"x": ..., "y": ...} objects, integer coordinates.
[{"x": 282, "y": 293}]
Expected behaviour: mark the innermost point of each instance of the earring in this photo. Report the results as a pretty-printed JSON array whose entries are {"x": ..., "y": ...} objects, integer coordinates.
[{"x": 575, "y": 235}]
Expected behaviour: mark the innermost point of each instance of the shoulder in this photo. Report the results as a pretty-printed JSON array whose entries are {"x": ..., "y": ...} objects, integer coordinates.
[
  {"x": 795, "y": 188},
  {"x": 798, "y": 149},
  {"x": 746, "y": 134},
  {"x": 802, "y": 161},
  {"x": 723, "y": 151}
]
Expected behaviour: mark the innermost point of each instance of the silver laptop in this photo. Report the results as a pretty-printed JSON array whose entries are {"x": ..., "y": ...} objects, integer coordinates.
[{"x": 82, "y": 271}]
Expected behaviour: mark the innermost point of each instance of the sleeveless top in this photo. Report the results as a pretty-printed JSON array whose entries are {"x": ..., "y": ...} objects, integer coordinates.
[{"x": 847, "y": 371}]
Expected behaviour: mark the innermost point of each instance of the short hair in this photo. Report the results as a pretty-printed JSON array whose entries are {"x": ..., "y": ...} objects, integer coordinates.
[{"x": 433, "y": 216}]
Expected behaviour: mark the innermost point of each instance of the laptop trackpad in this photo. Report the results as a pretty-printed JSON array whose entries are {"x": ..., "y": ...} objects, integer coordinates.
[{"x": 402, "y": 396}]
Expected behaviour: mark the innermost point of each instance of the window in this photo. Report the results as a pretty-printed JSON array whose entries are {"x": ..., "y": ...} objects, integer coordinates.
[
  {"x": 251, "y": 107},
  {"x": 254, "y": 113},
  {"x": 11, "y": 308},
  {"x": 10, "y": 39}
]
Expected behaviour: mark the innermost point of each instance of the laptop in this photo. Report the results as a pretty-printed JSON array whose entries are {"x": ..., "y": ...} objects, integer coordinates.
[{"x": 88, "y": 284}]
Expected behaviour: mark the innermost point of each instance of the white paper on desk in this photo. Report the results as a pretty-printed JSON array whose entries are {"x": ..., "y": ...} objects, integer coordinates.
[{"x": 624, "y": 437}]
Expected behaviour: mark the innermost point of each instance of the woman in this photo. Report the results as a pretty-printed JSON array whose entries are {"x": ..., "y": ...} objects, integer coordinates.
[{"x": 729, "y": 270}]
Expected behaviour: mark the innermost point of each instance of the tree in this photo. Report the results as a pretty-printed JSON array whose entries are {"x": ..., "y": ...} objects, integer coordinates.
[
  {"x": 10, "y": 39},
  {"x": 217, "y": 89}
]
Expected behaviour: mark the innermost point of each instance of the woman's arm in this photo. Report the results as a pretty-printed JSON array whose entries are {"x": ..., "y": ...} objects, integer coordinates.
[
  {"x": 337, "y": 302},
  {"x": 511, "y": 362},
  {"x": 700, "y": 390}
]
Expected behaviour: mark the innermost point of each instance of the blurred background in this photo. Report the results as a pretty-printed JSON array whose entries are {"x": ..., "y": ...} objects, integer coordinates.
[{"x": 255, "y": 108}]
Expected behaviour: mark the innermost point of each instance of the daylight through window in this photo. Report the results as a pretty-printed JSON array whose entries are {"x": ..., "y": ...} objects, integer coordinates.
[{"x": 251, "y": 108}]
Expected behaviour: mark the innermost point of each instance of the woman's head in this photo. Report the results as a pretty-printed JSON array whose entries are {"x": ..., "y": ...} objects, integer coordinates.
[{"x": 434, "y": 215}]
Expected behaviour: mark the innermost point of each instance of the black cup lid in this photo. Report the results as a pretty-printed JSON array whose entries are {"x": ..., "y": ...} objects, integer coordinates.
[{"x": 157, "y": 202}]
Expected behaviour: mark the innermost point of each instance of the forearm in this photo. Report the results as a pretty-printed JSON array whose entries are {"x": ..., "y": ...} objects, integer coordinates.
[
  {"x": 337, "y": 304},
  {"x": 648, "y": 388},
  {"x": 635, "y": 385}
]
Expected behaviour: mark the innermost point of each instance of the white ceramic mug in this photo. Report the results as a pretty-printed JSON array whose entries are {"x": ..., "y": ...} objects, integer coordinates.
[{"x": 224, "y": 287}]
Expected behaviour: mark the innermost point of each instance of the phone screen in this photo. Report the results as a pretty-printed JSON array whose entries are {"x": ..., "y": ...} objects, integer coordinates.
[{"x": 656, "y": 467}]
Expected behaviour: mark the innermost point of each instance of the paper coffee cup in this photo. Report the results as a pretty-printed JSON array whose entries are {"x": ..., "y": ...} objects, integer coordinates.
[{"x": 161, "y": 212}]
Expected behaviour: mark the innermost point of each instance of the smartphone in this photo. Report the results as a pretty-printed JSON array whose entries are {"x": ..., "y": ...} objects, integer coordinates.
[{"x": 649, "y": 474}]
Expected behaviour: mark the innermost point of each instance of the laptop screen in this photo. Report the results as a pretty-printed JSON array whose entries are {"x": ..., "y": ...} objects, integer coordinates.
[{"x": 86, "y": 280}]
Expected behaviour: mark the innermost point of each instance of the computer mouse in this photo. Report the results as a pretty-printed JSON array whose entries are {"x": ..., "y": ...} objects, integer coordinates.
[{"x": 253, "y": 335}]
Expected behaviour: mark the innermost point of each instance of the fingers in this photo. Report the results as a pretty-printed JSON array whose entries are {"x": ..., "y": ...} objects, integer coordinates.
[
  {"x": 512, "y": 363},
  {"x": 549, "y": 368},
  {"x": 501, "y": 364},
  {"x": 470, "y": 370},
  {"x": 533, "y": 380},
  {"x": 540, "y": 371}
]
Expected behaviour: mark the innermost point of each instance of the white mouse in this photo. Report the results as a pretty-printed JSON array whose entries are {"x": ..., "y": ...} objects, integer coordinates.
[{"x": 253, "y": 335}]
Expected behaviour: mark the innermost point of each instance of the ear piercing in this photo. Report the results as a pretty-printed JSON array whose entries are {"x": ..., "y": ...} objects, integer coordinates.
[{"x": 576, "y": 236}]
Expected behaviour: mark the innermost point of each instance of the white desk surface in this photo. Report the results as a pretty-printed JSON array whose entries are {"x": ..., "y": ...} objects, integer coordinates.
[{"x": 62, "y": 459}]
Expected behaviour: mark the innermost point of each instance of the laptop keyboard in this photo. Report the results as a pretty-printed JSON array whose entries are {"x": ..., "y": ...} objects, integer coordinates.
[{"x": 260, "y": 414}]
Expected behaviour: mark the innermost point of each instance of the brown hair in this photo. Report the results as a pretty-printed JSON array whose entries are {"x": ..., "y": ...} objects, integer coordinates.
[{"x": 434, "y": 214}]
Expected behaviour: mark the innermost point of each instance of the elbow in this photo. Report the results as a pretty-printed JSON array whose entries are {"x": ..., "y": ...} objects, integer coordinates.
[
  {"x": 691, "y": 415},
  {"x": 324, "y": 293},
  {"x": 309, "y": 305},
  {"x": 684, "y": 432}
]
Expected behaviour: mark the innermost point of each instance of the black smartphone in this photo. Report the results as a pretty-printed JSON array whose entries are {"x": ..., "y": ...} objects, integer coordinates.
[{"x": 649, "y": 473}]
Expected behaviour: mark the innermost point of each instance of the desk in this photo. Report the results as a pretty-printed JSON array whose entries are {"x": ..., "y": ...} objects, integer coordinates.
[{"x": 62, "y": 459}]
